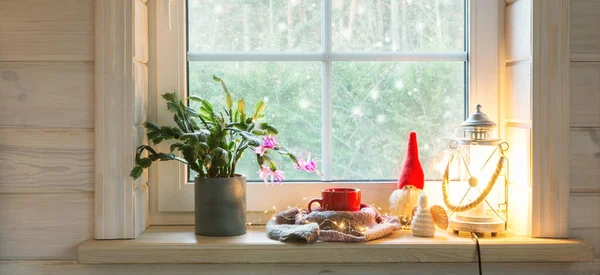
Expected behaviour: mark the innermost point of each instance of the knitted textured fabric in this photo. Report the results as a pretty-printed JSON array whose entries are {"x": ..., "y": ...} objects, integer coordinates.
[
  {"x": 422, "y": 224},
  {"x": 331, "y": 226}
]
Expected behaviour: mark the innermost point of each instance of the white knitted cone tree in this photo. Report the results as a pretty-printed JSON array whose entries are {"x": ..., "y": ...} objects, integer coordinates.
[{"x": 422, "y": 223}]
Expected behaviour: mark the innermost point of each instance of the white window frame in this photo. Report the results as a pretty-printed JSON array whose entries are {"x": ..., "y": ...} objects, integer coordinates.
[
  {"x": 121, "y": 92},
  {"x": 175, "y": 193}
]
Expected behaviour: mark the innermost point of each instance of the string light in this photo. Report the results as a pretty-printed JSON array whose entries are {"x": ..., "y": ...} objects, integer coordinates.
[{"x": 344, "y": 226}]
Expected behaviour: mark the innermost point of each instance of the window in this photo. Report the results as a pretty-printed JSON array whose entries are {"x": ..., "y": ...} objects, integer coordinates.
[{"x": 345, "y": 80}]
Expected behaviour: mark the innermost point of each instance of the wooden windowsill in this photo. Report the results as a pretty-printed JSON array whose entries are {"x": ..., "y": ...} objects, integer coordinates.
[{"x": 178, "y": 244}]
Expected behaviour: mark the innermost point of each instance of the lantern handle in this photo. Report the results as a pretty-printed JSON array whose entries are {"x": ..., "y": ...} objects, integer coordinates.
[
  {"x": 504, "y": 146},
  {"x": 453, "y": 144},
  {"x": 480, "y": 198}
]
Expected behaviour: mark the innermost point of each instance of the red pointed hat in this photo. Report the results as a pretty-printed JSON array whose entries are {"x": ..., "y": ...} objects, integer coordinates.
[{"x": 412, "y": 171}]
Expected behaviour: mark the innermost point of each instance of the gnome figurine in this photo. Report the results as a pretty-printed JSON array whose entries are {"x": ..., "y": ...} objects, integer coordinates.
[{"x": 410, "y": 182}]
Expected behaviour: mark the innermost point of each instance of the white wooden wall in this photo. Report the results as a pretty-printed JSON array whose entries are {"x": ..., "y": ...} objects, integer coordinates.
[
  {"x": 584, "y": 212},
  {"x": 46, "y": 128},
  {"x": 47, "y": 150}
]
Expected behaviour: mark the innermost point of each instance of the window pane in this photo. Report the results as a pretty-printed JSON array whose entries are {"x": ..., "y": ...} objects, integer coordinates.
[
  {"x": 293, "y": 94},
  {"x": 376, "y": 105},
  {"x": 398, "y": 25},
  {"x": 254, "y": 26}
]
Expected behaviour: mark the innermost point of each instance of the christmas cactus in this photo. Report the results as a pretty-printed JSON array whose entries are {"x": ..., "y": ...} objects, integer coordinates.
[{"x": 212, "y": 141}]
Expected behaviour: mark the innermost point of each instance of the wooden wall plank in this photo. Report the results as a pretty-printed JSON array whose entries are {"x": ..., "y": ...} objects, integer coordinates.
[
  {"x": 585, "y": 93},
  {"x": 584, "y": 218},
  {"x": 46, "y": 160},
  {"x": 584, "y": 210},
  {"x": 46, "y": 94},
  {"x": 585, "y": 160},
  {"x": 44, "y": 226},
  {"x": 73, "y": 268},
  {"x": 42, "y": 30},
  {"x": 585, "y": 30}
]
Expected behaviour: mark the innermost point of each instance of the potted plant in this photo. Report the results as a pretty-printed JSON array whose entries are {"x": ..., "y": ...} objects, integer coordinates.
[{"x": 211, "y": 142}]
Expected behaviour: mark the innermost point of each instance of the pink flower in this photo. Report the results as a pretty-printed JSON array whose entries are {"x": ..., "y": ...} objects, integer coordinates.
[
  {"x": 268, "y": 143},
  {"x": 307, "y": 165},
  {"x": 265, "y": 173}
]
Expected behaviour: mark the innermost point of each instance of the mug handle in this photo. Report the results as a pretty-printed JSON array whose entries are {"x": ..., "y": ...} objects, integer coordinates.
[{"x": 320, "y": 201}]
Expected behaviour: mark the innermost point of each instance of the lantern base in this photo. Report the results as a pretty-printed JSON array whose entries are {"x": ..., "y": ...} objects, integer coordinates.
[{"x": 477, "y": 227}]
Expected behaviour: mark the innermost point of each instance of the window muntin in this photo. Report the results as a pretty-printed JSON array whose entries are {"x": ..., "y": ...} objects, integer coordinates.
[{"x": 376, "y": 89}]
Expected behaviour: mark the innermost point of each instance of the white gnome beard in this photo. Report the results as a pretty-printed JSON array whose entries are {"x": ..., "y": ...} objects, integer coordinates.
[{"x": 402, "y": 201}]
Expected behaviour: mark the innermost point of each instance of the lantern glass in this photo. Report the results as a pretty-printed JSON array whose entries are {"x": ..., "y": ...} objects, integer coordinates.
[{"x": 475, "y": 173}]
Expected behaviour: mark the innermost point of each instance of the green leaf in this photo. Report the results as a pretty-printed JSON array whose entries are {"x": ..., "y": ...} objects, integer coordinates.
[
  {"x": 220, "y": 156},
  {"x": 188, "y": 154},
  {"x": 258, "y": 132},
  {"x": 215, "y": 78},
  {"x": 136, "y": 172},
  {"x": 250, "y": 138},
  {"x": 271, "y": 130},
  {"x": 151, "y": 125},
  {"x": 190, "y": 138},
  {"x": 206, "y": 106},
  {"x": 191, "y": 112},
  {"x": 212, "y": 141},
  {"x": 172, "y": 107},
  {"x": 144, "y": 162},
  {"x": 169, "y": 96},
  {"x": 203, "y": 146},
  {"x": 196, "y": 98},
  {"x": 176, "y": 146},
  {"x": 157, "y": 140},
  {"x": 165, "y": 157},
  {"x": 153, "y": 134},
  {"x": 146, "y": 147},
  {"x": 195, "y": 125},
  {"x": 258, "y": 109},
  {"x": 237, "y": 125}
]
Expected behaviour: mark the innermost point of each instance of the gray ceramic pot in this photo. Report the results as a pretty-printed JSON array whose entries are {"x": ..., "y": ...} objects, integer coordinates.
[{"x": 220, "y": 205}]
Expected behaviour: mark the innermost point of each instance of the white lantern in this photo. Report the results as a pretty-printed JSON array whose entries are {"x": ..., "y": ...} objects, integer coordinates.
[{"x": 479, "y": 204}]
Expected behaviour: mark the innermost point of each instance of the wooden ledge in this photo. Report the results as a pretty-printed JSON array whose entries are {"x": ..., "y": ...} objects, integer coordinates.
[{"x": 178, "y": 244}]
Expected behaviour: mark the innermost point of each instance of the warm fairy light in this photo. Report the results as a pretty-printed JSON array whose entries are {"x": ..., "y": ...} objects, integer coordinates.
[
  {"x": 274, "y": 208},
  {"x": 265, "y": 211}
]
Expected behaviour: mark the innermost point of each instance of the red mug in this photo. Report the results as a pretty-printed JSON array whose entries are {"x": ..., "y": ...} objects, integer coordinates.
[{"x": 338, "y": 199}]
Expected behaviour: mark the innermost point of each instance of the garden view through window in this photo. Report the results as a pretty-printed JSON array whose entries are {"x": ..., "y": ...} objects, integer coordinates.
[{"x": 396, "y": 66}]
